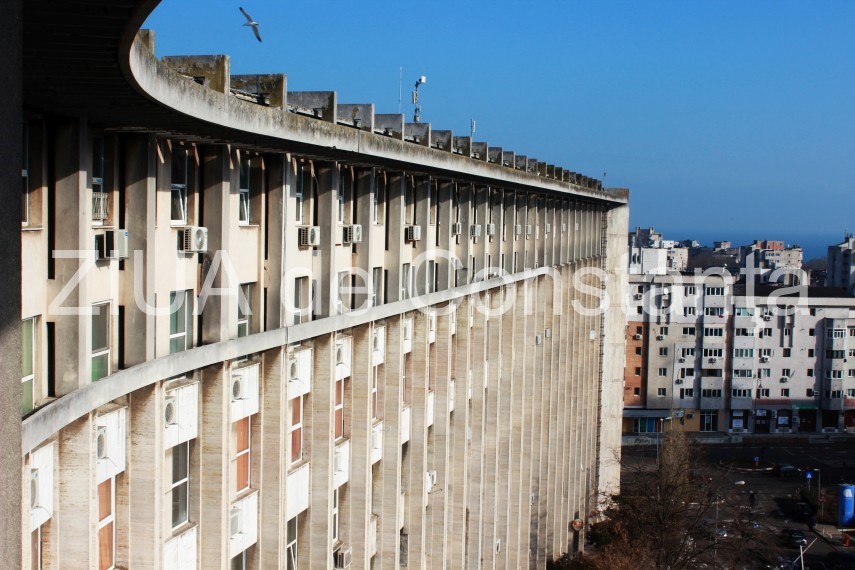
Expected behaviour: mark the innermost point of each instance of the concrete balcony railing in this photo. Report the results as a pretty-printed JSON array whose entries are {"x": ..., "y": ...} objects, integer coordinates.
[
  {"x": 376, "y": 442},
  {"x": 341, "y": 464},
  {"x": 298, "y": 490},
  {"x": 430, "y": 407},
  {"x": 372, "y": 536},
  {"x": 406, "y": 413}
]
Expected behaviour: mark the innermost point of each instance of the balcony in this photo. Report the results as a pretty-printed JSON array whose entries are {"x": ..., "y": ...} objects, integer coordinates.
[
  {"x": 100, "y": 207},
  {"x": 405, "y": 424},
  {"x": 243, "y": 524},
  {"x": 179, "y": 552},
  {"x": 341, "y": 464},
  {"x": 430, "y": 407},
  {"x": 298, "y": 490},
  {"x": 372, "y": 536}
]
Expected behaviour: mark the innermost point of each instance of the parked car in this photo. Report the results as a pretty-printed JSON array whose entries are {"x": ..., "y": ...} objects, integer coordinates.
[
  {"x": 787, "y": 470},
  {"x": 795, "y": 537}
]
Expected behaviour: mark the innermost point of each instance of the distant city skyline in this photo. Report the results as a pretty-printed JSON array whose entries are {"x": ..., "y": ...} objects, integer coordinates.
[{"x": 718, "y": 116}]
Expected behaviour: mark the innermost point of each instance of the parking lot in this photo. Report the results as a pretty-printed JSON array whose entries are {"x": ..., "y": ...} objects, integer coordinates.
[{"x": 776, "y": 501}]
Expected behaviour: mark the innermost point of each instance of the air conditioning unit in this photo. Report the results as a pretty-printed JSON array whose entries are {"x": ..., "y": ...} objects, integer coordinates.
[
  {"x": 431, "y": 478},
  {"x": 352, "y": 234},
  {"x": 235, "y": 522},
  {"x": 475, "y": 230},
  {"x": 339, "y": 354},
  {"x": 490, "y": 229},
  {"x": 112, "y": 244},
  {"x": 678, "y": 381},
  {"x": 309, "y": 236},
  {"x": 413, "y": 233},
  {"x": 101, "y": 443},
  {"x": 343, "y": 557},
  {"x": 767, "y": 317},
  {"x": 764, "y": 359},
  {"x": 681, "y": 359},
  {"x": 563, "y": 227},
  {"x": 456, "y": 228},
  {"x": 785, "y": 379},
  {"x": 660, "y": 337},
  {"x": 638, "y": 337},
  {"x": 238, "y": 388},
  {"x": 34, "y": 488},
  {"x": 713, "y": 360},
  {"x": 193, "y": 239},
  {"x": 547, "y": 228},
  {"x": 529, "y": 229},
  {"x": 638, "y": 296},
  {"x": 517, "y": 229},
  {"x": 538, "y": 340},
  {"x": 170, "y": 411},
  {"x": 293, "y": 370}
]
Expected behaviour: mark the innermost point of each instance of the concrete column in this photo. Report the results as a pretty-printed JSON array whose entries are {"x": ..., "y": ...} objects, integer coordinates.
[
  {"x": 358, "y": 423},
  {"x": 475, "y": 500},
  {"x": 395, "y": 230},
  {"x": 494, "y": 537},
  {"x": 214, "y": 457},
  {"x": 320, "y": 435},
  {"x": 274, "y": 267},
  {"x": 388, "y": 549},
  {"x": 76, "y": 513},
  {"x": 10, "y": 282},
  {"x": 145, "y": 485},
  {"x": 219, "y": 310},
  {"x": 418, "y": 384},
  {"x": 458, "y": 484},
  {"x": 324, "y": 261},
  {"x": 140, "y": 196},
  {"x": 271, "y": 528}
]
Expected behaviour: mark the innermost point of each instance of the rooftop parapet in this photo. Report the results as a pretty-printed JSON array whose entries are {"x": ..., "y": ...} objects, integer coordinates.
[
  {"x": 480, "y": 151},
  {"x": 357, "y": 115},
  {"x": 418, "y": 133},
  {"x": 463, "y": 145},
  {"x": 318, "y": 104},
  {"x": 265, "y": 89},
  {"x": 391, "y": 125},
  {"x": 211, "y": 71},
  {"x": 441, "y": 140},
  {"x": 508, "y": 159},
  {"x": 494, "y": 154}
]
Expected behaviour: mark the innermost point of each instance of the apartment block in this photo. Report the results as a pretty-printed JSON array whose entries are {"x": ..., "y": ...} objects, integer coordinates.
[
  {"x": 717, "y": 355},
  {"x": 841, "y": 265},
  {"x": 266, "y": 329}
]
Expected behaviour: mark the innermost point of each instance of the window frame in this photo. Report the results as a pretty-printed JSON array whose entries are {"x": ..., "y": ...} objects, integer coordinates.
[
  {"x": 295, "y": 429},
  {"x": 31, "y": 377},
  {"x": 182, "y": 450},
  {"x": 101, "y": 352},
  {"x": 244, "y": 191},
  {"x": 242, "y": 455},
  {"x": 244, "y": 308},
  {"x": 291, "y": 549},
  {"x": 185, "y": 334},
  {"x": 338, "y": 410},
  {"x": 108, "y": 520},
  {"x": 178, "y": 188}
]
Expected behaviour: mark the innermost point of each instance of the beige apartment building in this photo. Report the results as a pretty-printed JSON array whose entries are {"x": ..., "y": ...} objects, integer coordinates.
[
  {"x": 715, "y": 355},
  {"x": 266, "y": 329}
]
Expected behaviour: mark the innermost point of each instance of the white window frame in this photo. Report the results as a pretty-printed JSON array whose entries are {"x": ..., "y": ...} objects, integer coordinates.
[
  {"x": 785, "y": 392},
  {"x": 295, "y": 427},
  {"x": 299, "y": 182},
  {"x": 179, "y": 188},
  {"x": 246, "y": 452},
  {"x": 182, "y": 449},
  {"x": 335, "y": 517},
  {"x": 661, "y": 392},
  {"x": 663, "y": 372},
  {"x": 109, "y": 519},
  {"x": 244, "y": 185},
  {"x": 244, "y": 310},
  {"x": 338, "y": 406},
  {"x": 31, "y": 377},
  {"x": 185, "y": 334},
  {"x": 101, "y": 352},
  {"x": 340, "y": 195},
  {"x": 291, "y": 544}
]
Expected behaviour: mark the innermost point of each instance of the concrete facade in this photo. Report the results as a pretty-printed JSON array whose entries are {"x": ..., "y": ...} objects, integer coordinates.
[
  {"x": 841, "y": 265},
  {"x": 311, "y": 336}
]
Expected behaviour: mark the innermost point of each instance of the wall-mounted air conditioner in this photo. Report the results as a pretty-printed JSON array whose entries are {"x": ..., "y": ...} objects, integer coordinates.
[
  {"x": 170, "y": 411},
  {"x": 102, "y": 443},
  {"x": 456, "y": 228},
  {"x": 637, "y": 337},
  {"x": 681, "y": 359},
  {"x": 678, "y": 381},
  {"x": 529, "y": 229},
  {"x": 193, "y": 239},
  {"x": 490, "y": 229},
  {"x": 343, "y": 557},
  {"x": 413, "y": 233},
  {"x": 475, "y": 230},
  {"x": 638, "y": 296},
  {"x": 112, "y": 244},
  {"x": 34, "y": 489},
  {"x": 713, "y": 360},
  {"x": 764, "y": 359},
  {"x": 309, "y": 236},
  {"x": 238, "y": 388},
  {"x": 784, "y": 379},
  {"x": 547, "y": 228},
  {"x": 660, "y": 337},
  {"x": 235, "y": 522},
  {"x": 352, "y": 234},
  {"x": 518, "y": 229}
]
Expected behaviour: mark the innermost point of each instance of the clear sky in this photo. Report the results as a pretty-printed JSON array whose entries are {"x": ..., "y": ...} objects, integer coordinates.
[{"x": 727, "y": 118}]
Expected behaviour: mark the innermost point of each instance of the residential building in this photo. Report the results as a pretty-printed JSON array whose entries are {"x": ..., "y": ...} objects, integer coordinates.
[
  {"x": 266, "y": 329},
  {"x": 841, "y": 264}
]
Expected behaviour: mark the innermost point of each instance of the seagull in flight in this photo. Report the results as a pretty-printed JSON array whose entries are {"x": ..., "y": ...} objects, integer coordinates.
[{"x": 251, "y": 23}]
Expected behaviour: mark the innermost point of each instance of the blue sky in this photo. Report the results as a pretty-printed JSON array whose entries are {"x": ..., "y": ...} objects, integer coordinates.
[{"x": 723, "y": 118}]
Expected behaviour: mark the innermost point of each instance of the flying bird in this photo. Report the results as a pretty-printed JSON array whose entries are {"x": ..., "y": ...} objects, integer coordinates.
[{"x": 251, "y": 23}]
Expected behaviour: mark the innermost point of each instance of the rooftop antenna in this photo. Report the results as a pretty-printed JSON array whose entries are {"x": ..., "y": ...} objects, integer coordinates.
[
  {"x": 418, "y": 111},
  {"x": 400, "y": 86},
  {"x": 472, "y": 128}
]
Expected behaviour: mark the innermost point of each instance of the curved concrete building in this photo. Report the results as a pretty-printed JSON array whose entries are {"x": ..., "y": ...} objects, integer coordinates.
[{"x": 268, "y": 329}]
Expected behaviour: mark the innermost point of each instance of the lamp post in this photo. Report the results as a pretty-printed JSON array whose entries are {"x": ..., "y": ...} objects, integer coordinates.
[
  {"x": 754, "y": 412},
  {"x": 658, "y": 435}
]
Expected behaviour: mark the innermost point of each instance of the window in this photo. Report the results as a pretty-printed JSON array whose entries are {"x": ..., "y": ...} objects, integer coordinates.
[
  {"x": 764, "y": 373},
  {"x": 178, "y": 179},
  {"x": 661, "y": 392},
  {"x": 809, "y": 393},
  {"x": 244, "y": 323},
  {"x": 663, "y": 372},
  {"x": 834, "y": 393},
  {"x": 811, "y": 332},
  {"x": 28, "y": 365},
  {"x": 687, "y": 393},
  {"x": 785, "y": 372},
  {"x": 851, "y": 352},
  {"x": 296, "y": 429},
  {"x": 241, "y": 432},
  {"x": 833, "y": 374},
  {"x": 743, "y": 373},
  {"x": 741, "y": 392},
  {"x": 765, "y": 352},
  {"x": 688, "y": 311},
  {"x": 107, "y": 524},
  {"x": 809, "y": 372},
  {"x": 714, "y": 311},
  {"x": 99, "y": 198},
  {"x": 688, "y": 331},
  {"x": 743, "y": 312},
  {"x": 663, "y": 351},
  {"x": 638, "y": 371},
  {"x": 638, "y": 310},
  {"x": 379, "y": 193},
  {"x": 663, "y": 331},
  {"x": 299, "y": 182},
  {"x": 638, "y": 330},
  {"x": 638, "y": 350},
  {"x": 180, "y": 484},
  {"x": 302, "y": 300},
  {"x": 178, "y": 321},
  {"x": 244, "y": 189},
  {"x": 763, "y": 392},
  {"x": 811, "y": 353},
  {"x": 713, "y": 352},
  {"x": 335, "y": 517},
  {"x": 239, "y": 562},
  {"x": 339, "y": 409},
  {"x": 100, "y": 341},
  {"x": 836, "y": 333},
  {"x": 851, "y": 331},
  {"x": 375, "y": 392},
  {"x": 714, "y": 331},
  {"x": 687, "y": 372},
  {"x": 689, "y": 290},
  {"x": 291, "y": 545},
  {"x": 851, "y": 373},
  {"x": 711, "y": 393},
  {"x": 851, "y": 392},
  {"x": 788, "y": 352},
  {"x": 767, "y": 332},
  {"x": 785, "y": 392},
  {"x": 714, "y": 291},
  {"x": 743, "y": 353},
  {"x": 744, "y": 332},
  {"x": 340, "y": 198},
  {"x": 636, "y": 391},
  {"x": 688, "y": 352},
  {"x": 788, "y": 331},
  {"x": 835, "y": 354}
]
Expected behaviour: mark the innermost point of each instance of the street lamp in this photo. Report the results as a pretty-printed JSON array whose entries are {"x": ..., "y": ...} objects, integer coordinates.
[
  {"x": 659, "y": 434},
  {"x": 754, "y": 412}
]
